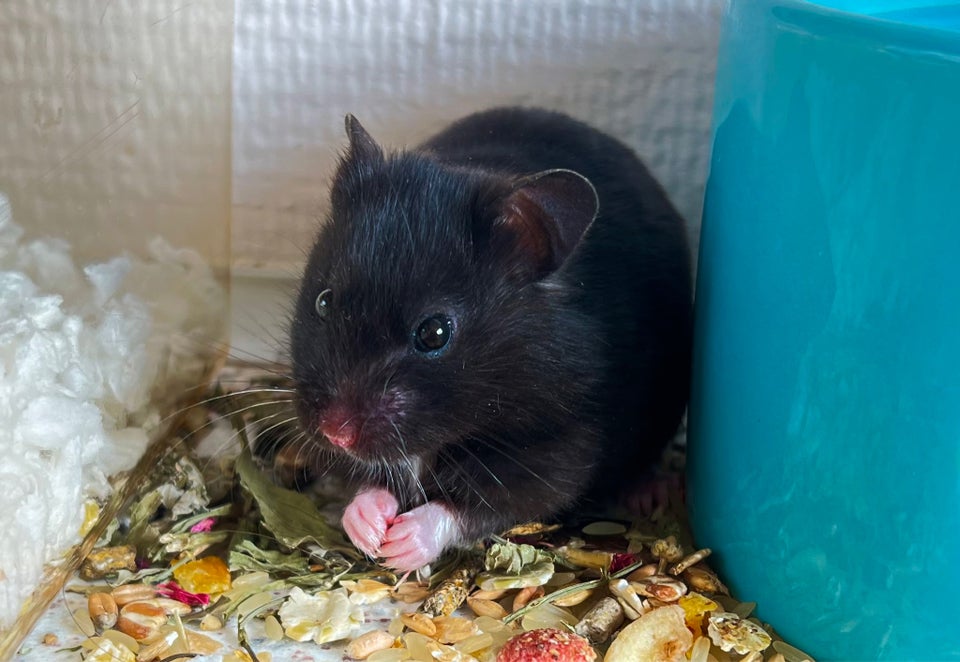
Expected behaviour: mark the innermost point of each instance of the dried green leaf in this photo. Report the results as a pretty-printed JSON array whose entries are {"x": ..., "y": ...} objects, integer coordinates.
[
  {"x": 294, "y": 567},
  {"x": 247, "y": 556},
  {"x": 511, "y": 559},
  {"x": 509, "y": 565},
  {"x": 289, "y": 515}
]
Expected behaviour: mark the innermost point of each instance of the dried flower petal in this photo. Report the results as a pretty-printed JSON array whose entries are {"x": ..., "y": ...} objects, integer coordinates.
[
  {"x": 204, "y": 525},
  {"x": 173, "y": 591},
  {"x": 207, "y": 575},
  {"x": 323, "y": 617},
  {"x": 621, "y": 561},
  {"x": 730, "y": 632},
  {"x": 667, "y": 549},
  {"x": 695, "y": 609}
]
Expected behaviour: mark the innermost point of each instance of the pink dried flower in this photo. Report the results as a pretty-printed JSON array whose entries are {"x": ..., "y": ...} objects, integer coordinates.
[
  {"x": 203, "y": 525},
  {"x": 621, "y": 561},
  {"x": 174, "y": 591}
]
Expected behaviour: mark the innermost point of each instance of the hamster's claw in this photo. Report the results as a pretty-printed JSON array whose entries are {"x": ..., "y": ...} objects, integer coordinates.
[
  {"x": 419, "y": 536},
  {"x": 367, "y": 518}
]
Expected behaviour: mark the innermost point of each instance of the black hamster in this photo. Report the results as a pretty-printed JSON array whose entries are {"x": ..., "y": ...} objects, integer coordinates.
[{"x": 490, "y": 327}]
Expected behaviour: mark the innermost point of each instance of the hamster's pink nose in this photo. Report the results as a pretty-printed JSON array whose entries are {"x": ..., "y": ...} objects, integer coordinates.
[{"x": 339, "y": 429}]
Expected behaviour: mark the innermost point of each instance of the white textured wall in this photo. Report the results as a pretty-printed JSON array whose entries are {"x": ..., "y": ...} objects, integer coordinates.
[{"x": 640, "y": 69}]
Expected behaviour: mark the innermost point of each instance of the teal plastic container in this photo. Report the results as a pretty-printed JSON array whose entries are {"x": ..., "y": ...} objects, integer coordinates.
[{"x": 824, "y": 452}]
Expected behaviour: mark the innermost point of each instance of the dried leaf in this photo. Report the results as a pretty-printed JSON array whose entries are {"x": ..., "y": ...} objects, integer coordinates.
[
  {"x": 289, "y": 515},
  {"x": 245, "y": 555},
  {"x": 509, "y": 565},
  {"x": 510, "y": 558}
]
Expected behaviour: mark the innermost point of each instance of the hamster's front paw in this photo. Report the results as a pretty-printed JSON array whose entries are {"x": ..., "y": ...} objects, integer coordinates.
[
  {"x": 418, "y": 536},
  {"x": 367, "y": 518}
]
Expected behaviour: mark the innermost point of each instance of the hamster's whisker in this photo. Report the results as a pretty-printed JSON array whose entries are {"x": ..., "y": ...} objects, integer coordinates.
[
  {"x": 256, "y": 405},
  {"x": 218, "y": 452},
  {"x": 436, "y": 481},
  {"x": 414, "y": 474},
  {"x": 491, "y": 444},
  {"x": 224, "y": 396},
  {"x": 211, "y": 422},
  {"x": 468, "y": 479},
  {"x": 483, "y": 464},
  {"x": 386, "y": 382},
  {"x": 241, "y": 393},
  {"x": 276, "y": 425}
]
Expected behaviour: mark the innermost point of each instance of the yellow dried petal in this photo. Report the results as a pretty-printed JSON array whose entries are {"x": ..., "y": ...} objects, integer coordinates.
[
  {"x": 91, "y": 512},
  {"x": 695, "y": 609},
  {"x": 207, "y": 575}
]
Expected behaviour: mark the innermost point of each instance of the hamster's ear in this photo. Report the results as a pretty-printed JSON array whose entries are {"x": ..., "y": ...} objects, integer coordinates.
[
  {"x": 544, "y": 217},
  {"x": 363, "y": 147}
]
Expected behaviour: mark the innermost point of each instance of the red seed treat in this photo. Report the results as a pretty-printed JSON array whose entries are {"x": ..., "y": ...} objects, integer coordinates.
[{"x": 547, "y": 645}]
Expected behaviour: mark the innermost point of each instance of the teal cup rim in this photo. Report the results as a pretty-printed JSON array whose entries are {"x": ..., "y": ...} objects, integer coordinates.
[{"x": 838, "y": 18}]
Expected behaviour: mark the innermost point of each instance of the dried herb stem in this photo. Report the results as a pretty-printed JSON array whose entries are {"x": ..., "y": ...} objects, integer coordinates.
[
  {"x": 556, "y": 595},
  {"x": 570, "y": 590}
]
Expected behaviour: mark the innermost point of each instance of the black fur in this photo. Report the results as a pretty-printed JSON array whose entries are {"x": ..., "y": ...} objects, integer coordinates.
[{"x": 554, "y": 380}]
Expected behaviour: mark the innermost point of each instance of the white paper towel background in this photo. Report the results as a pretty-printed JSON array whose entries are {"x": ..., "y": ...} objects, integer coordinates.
[{"x": 642, "y": 70}]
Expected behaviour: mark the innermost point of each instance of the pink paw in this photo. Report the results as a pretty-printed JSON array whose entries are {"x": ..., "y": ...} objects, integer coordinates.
[
  {"x": 417, "y": 537},
  {"x": 367, "y": 518}
]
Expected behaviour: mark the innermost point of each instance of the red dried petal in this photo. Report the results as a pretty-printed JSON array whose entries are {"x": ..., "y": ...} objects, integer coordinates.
[
  {"x": 174, "y": 591},
  {"x": 621, "y": 561}
]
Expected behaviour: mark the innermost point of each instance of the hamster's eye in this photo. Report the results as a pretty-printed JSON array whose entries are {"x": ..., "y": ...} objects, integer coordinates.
[
  {"x": 433, "y": 333},
  {"x": 322, "y": 304}
]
